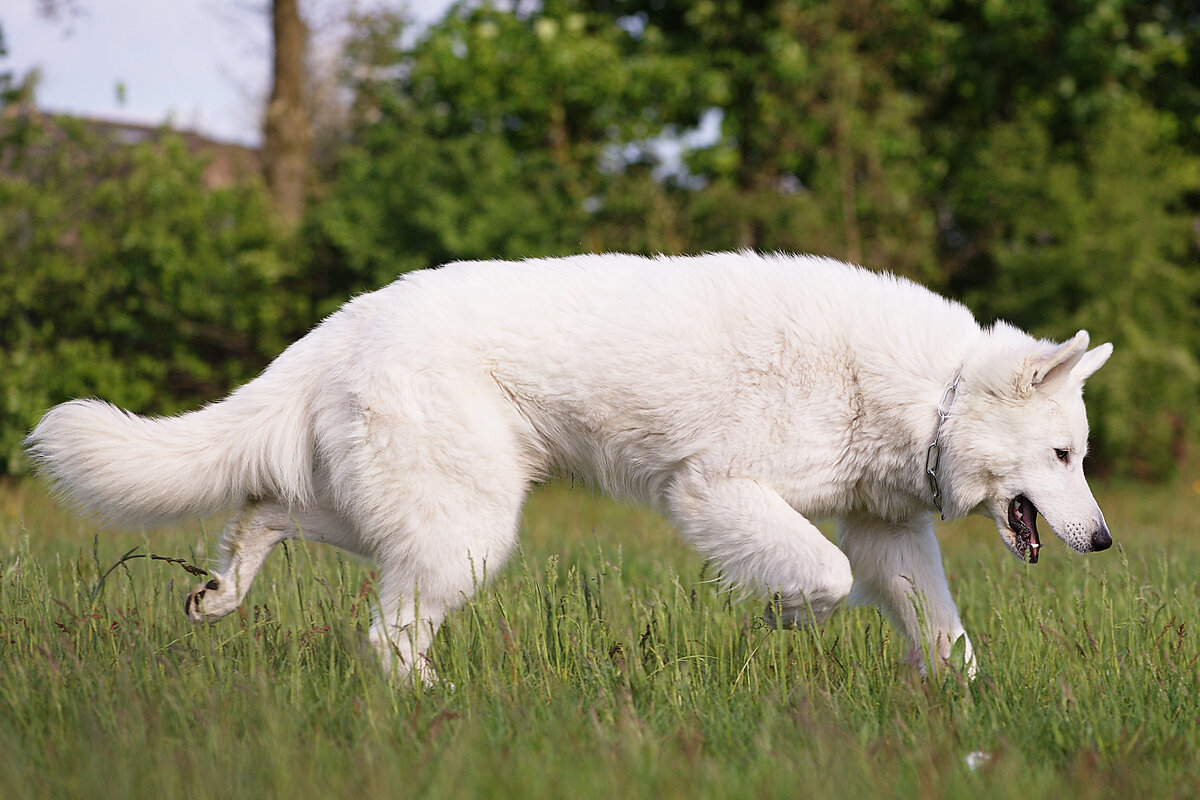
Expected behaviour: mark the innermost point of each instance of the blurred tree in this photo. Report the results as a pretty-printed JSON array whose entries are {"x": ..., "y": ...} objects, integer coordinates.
[
  {"x": 820, "y": 150},
  {"x": 1102, "y": 242},
  {"x": 494, "y": 135},
  {"x": 1063, "y": 68},
  {"x": 287, "y": 127},
  {"x": 122, "y": 277}
]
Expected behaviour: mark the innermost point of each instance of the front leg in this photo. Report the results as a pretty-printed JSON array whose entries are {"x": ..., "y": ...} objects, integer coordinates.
[
  {"x": 763, "y": 544},
  {"x": 898, "y": 567}
]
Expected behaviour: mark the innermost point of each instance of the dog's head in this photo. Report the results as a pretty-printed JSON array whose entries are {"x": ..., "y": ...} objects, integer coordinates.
[{"x": 1017, "y": 438}]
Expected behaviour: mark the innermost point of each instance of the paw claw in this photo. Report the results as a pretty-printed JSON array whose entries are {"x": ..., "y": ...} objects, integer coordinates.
[
  {"x": 208, "y": 602},
  {"x": 191, "y": 606}
]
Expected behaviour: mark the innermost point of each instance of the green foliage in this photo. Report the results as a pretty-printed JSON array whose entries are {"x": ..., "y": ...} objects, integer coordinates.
[
  {"x": 820, "y": 150},
  {"x": 491, "y": 142},
  {"x": 1036, "y": 159},
  {"x": 601, "y": 663},
  {"x": 123, "y": 278},
  {"x": 1102, "y": 243}
]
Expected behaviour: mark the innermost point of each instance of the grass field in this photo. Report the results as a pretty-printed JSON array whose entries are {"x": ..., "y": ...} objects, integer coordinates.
[{"x": 600, "y": 663}]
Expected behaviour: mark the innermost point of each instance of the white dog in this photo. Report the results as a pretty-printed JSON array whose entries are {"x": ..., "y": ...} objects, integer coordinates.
[{"x": 742, "y": 395}]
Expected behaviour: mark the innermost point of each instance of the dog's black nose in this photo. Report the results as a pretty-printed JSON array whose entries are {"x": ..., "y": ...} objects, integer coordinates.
[{"x": 1101, "y": 539}]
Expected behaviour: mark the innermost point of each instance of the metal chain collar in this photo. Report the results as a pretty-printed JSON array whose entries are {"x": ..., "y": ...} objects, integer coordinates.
[{"x": 933, "y": 455}]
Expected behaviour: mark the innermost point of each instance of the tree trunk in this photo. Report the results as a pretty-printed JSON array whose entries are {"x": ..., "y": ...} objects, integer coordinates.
[
  {"x": 287, "y": 130},
  {"x": 844, "y": 99},
  {"x": 749, "y": 175}
]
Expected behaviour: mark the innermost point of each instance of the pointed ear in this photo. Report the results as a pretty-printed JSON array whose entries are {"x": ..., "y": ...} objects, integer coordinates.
[
  {"x": 1051, "y": 371},
  {"x": 1092, "y": 361}
]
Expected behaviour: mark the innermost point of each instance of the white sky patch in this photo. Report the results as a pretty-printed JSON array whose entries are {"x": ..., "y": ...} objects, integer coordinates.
[{"x": 203, "y": 65}]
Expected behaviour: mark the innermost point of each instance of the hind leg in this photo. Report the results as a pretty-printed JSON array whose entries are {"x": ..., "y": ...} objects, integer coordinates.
[
  {"x": 430, "y": 563},
  {"x": 431, "y": 473},
  {"x": 246, "y": 541},
  {"x": 898, "y": 567}
]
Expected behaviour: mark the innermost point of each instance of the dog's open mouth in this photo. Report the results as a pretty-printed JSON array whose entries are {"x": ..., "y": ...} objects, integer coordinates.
[{"x": 1022, "y": 521}]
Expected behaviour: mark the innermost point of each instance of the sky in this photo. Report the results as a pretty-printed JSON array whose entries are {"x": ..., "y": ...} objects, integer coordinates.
[{"x": 203, "y": 65}]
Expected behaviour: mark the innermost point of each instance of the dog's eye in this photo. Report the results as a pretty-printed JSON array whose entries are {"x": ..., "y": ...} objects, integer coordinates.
[{"x": 1063, "y": 455}]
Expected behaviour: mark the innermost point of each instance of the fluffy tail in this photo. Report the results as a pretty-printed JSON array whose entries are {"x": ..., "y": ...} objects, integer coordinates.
[{"x": 132, "y": 469}]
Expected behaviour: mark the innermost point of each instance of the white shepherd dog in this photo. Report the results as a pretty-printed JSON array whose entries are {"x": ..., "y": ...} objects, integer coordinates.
[{"x": 742, "y": 395}]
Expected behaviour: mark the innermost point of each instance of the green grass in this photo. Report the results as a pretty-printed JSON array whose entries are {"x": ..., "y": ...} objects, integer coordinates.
[{"x": 600, "y": 663}]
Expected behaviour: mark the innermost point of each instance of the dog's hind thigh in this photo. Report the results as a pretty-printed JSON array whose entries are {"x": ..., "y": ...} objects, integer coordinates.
[
  {"x": 760, "y": 542},
  {"x": 898, "y": 568},
  {"x": 431, "y": 561},
  {"x": 431, "y": 475},
  {"x": 246, "y": 541}
]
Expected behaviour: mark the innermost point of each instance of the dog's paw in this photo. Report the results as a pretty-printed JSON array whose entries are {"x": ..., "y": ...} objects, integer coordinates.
[
  {"x": 210, "y": 600},
  {"x": 774, "y": 617},
  {"x": 953, "y": 654},
  {"x": 790, "y": 617}
]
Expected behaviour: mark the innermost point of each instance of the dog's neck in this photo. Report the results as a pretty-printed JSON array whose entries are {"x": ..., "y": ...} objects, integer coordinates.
[
  {"x": 933, "y": 453},
  {"x": 902, "y": 420}
]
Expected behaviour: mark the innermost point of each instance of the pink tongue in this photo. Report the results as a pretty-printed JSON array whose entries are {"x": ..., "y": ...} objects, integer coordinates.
[
  {"x": 1026, "y": 514},
  {"x": 1034, "y": 543}
]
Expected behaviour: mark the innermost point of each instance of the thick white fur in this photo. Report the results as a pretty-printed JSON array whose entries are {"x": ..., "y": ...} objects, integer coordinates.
[{"x": 743, "y": 395}]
